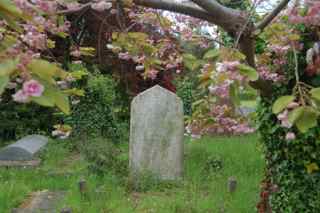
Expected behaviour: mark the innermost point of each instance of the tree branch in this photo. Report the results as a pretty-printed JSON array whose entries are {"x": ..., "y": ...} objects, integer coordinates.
[
  {"x": 266, "y": 21},
  {"x": 71, "y": 11},
  {"x": 214, "y": 8},
  {"x": 229, "y": 19},
  {"x": 183, "y": 8}
]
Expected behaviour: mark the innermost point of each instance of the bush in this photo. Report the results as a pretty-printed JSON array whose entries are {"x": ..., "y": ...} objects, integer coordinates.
[
  {"x": 105, "y": 157},
  {"x": 17, "y": 120},
  {"x": 184, "y": 91},
  {"x": 290, "y": 187},
  {"x": 96, "y": 113}
]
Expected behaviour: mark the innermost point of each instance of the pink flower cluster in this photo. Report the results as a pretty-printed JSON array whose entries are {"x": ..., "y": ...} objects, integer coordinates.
[
  {"x": 227, "y": 124},
  {"x": 31, "y": 88},
  {"x": 312, "y": 18},
  {"x": 279, "y": 49},
  {"x": 266, "y": 74},
  {"x": 229, "y": 68},
  {"x": 152, "y": 74},
  {"x": 101, "y": 6},
  {"x": 224, "y": 123}
]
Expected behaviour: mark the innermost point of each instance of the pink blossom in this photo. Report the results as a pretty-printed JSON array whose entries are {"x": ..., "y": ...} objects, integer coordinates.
[
  {"x": 101, "y": 6},
  {"x": 290, "y": 136},
  {"x": 285, "y": 123},
  {"x": 283, "y": 115},
  {"x": 220, "y": 67},
  {"x": 73, "y": 5},
  {"x": 152, "y": 74},
  {"x": 267, "y": 74},
  {"x": 48, "y": 6},
  {"x": 33, "y": 88},
  {"x": 124, "y": 56},
  {"x": 21, "y": 97}
]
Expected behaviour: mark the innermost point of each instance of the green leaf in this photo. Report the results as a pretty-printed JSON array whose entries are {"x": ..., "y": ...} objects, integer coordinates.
[
  {"x": 248, "y": 71},
  {"x": 43, "y": 100},
  {"x": 4, "y": 80},
  {"x": 281, "y": 103},
  {"x": 307, "y": 120},
  {"x": 295, "y": 114},
  {"x": 62, "y": 102},
  {"x": 212, "y": 54},
  {"x": 46, "y": 71},
  {"x": 8, "y": 66},
  {"x": 315, "y": 93},
  {"x": 79, "y": 74},
  {"x": 74, "y": 91},
  {"x": 234, "y": 94},
  {"x": 191, "y": 62},
  {"x": 52, "y": 96},
  {"x": 10, "y": 8}
]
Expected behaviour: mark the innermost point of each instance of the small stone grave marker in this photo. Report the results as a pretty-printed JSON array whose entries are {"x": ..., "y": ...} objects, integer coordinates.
[
  {"x": 23, "y": 152},
  {"x": 232, "y": 184},
  {"x": 156, "y": 135}
]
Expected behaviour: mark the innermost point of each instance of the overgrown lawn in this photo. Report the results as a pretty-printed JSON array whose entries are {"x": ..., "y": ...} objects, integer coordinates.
[{"x": 209, "y": 162}]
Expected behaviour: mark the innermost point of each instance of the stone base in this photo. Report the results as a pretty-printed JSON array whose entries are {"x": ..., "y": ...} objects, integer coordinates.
[{"x": 30, "y": 163}]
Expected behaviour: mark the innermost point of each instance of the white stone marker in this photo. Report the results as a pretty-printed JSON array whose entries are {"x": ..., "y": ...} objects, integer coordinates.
[{"x": 156, "y": 135}]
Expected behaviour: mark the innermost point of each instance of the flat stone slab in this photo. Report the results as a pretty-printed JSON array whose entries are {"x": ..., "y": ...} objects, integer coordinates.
[
  {"x": 41, "y": 202},
  {"x": 156, "y": 135},
  {"x": 30, "y": 163},
  {"x": 24, "y": 149}
]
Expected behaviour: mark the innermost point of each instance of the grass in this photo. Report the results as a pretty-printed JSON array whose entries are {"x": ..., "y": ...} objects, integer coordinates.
[{"x": 209, "y": 162}]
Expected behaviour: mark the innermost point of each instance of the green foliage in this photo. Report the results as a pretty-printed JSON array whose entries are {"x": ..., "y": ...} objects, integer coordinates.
[
  {"x": 96, "y": 113},
  {"x": 248, "y": 71},
  {"x": 184, "y": 91},
  {"x": 291, "y": 164},
  {"x": 191, "y": 62},
  {"x": 104, "y": 157},
  {"x": 212, "y": 54},
  {"x": 281, "y": 103},
  {"x": 20, "y": 120}
]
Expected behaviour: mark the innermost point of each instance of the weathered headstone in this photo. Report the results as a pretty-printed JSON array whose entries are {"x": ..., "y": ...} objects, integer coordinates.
[
  {"x": 156, "y": 135},
  {"x": 24, "y": 149}
]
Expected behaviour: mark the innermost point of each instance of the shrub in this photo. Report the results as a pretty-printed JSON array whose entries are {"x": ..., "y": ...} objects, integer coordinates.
[
  {"x": 96, "y": 113},
  {"x": 184, "y": 91},
  {"x": 17, "y": 120},
  {"x": 290, "y": 187},
  {"x": 105, "y": 157}
]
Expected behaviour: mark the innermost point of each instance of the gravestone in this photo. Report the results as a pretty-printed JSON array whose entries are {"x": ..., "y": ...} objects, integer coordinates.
[
  {"x": 24, "y": 149},
  {"x": 156, "y": 135}
]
